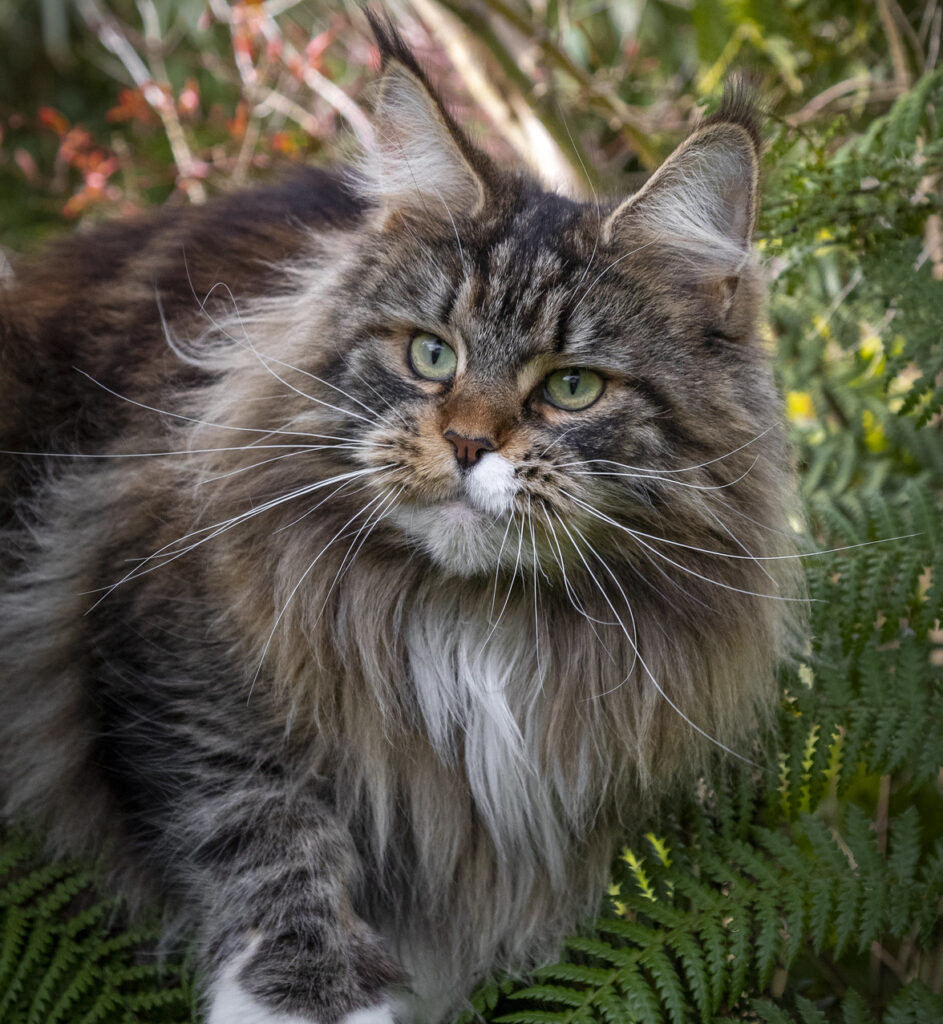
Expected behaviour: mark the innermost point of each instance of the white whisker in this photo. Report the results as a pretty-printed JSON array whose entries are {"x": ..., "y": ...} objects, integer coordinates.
[
  {"x": 668, "y": 480},
  {"x": 497, "y": 568},
  {"x": 373, "y": 412},
  {"x": 638, "y": 656},
  {"x": 533, "y": 547},
  {"x": 637, "y": 536},
  {"x": 571, "y": 594},
  {"x": 507, "y": 596},
  {"x": 729, "y": 554},
  {"x": 287, "y": 455},
  {"x": 592, "y": 189},
  {"x": 301, "y": 579},
  {"x": 326, "y": 498},
  {"x": 155, "y": 455},
  {"x": 221, "y": 527},
  {"x": 370, "y": 524},
  {"x": 603, "y": 273},
  {"x": 193, "y": 419},
  {"x": 264, "y": 359},
  {"x": 683, "y": 469}
]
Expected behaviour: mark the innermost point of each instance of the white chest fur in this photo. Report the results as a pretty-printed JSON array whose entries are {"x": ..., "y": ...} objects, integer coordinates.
[{"x": 480, "y": 691}]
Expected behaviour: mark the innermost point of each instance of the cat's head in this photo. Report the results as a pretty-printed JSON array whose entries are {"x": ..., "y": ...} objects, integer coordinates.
[
  {"x": 541, "y": 371},
  {"x": 523, "y": 383}
]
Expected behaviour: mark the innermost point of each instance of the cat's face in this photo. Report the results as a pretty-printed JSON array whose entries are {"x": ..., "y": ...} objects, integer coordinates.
[
  {"x": 541, "y": 376},
  {"x": 522, "y": 378},
  {"x": 523, "y": 382}
]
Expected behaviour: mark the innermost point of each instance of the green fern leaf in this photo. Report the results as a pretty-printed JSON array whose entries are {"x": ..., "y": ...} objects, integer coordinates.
[
  {"x": 770, "y": 1013},
  {"x": 640, "y": 997},
  {"x": 667, "y": 982},
  {"x": 855, "y": 1009},
  {"x": 809, "y": 1013},
  {"x": 601, "y": 950},
  {"x": 693, "y": 963},
  {"x": 848, "y": 898},
  {"x": 550, "y": 994}
]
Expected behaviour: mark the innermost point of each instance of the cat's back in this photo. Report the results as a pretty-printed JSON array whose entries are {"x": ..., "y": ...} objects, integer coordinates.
[{"x": 102, "y": 304}]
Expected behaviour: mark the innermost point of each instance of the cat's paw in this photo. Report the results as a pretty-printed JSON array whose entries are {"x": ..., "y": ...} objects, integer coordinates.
[
  {"x": 232, "y": 1004},
  {"x": 382, "y": 1013}
]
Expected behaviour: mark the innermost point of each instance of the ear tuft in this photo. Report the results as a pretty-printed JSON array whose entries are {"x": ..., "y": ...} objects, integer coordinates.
[
  {"x": 740, "y": 106},
  {"x": 391, "y": 44},
  {"x": 422, "y": 164}
]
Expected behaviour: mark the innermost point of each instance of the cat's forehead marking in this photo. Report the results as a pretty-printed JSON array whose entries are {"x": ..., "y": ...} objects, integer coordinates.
[{"x": 515, "y": 304}]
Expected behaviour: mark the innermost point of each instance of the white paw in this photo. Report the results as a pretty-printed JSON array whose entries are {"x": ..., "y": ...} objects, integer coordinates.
[
  {"x": 231, "y": 1004},
  {"x": 382, "y": 1013}
]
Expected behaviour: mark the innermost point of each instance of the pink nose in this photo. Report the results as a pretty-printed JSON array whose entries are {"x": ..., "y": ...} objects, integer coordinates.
[{"x": 468, "y": 450}]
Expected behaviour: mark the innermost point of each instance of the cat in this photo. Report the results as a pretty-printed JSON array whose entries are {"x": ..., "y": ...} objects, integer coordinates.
[{"x": 379, "y": 546}]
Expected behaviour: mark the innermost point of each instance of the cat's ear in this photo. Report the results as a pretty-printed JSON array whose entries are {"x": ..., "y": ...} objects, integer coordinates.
[
  {"x": 422, "y": 164},
  {"x": 698, "y": 210}
]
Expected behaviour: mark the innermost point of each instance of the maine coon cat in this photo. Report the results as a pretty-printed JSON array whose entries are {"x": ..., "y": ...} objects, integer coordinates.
[{"x": 376, "y": 546}]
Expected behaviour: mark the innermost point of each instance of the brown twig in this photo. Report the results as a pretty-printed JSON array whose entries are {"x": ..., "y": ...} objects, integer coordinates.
[
  {"x": 909, "y": 31},
  {"x": 157, "y": 93},
  {"x": 183, "y": 157},
  {"x": 627, "y": 119},
  {"x": 836, "y": 96},
  {"x": 503, "y": 102},
  {"x": 833, "y": 92},
  {"x": 277, "y": 100},
  {"x": 895, "y": 43},
  {"x": 335, "y": 96},
  {"x": 319, "y": 84},
  {"x": 933, "y": 44},
  {"x": 933, "y": 232}
]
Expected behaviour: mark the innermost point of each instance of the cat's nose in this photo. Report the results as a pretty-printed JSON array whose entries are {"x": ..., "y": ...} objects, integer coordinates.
[{"x": 468, "y": 450}]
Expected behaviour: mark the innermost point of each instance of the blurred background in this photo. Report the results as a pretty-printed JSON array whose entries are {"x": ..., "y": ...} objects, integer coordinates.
[
  {"x": 110, "y": 105},
  {"x": 811, "y": 891}
]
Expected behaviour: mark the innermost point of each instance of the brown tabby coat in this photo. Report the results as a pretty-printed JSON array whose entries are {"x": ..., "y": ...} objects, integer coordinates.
[{"x": 369, "y": 718}]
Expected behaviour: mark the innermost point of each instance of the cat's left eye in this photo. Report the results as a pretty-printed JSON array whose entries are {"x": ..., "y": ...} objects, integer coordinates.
[
  {"x": 573, "y": 388},
  {"x": 431, "y": 357}
]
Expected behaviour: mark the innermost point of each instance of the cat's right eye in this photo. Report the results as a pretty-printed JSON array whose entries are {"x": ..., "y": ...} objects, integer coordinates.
[
  {"x": 431, "y": 357},
  {"x": 573, "y": 389}
]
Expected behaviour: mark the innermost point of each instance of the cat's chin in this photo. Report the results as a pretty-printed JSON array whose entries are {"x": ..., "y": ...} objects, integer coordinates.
[
  {"x": 468, "y": 533},
  {"x": 459, "y": 537}
]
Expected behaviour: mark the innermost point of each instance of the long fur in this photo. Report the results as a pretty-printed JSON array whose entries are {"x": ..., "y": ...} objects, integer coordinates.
[{"x": 379, "y": 722}]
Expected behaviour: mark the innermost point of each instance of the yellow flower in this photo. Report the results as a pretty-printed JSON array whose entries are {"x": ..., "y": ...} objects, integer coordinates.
[
  {"x": 799, "y": 408},
  {"x": 874, "y": 436}
]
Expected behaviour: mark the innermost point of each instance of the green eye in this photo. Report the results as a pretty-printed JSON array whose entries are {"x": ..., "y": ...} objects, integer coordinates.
[
  {"x": 431, "y": 357},
  {"x": 573, "y": 388}
]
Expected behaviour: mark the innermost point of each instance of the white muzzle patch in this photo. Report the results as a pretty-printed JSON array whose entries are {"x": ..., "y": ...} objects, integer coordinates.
[{"x": 491, "y": 484}]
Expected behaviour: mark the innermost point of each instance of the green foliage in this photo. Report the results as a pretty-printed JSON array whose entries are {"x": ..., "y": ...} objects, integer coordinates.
[{"x": 64, "y": 956}]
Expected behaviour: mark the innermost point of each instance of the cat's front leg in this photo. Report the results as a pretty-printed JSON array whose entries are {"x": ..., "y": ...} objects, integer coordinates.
[{"x": 282, "y": 942}]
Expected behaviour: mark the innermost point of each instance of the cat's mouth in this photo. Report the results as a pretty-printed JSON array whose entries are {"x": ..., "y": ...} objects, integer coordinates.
[{"x": 471, "y": 497}]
